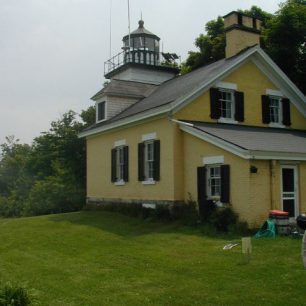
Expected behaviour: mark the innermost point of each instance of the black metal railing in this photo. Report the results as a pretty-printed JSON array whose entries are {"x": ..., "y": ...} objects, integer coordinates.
[{"x": 133, "y": 56}]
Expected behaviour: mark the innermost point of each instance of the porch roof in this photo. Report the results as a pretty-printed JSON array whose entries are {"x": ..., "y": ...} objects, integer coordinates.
[{"x": 251, "y": 140}]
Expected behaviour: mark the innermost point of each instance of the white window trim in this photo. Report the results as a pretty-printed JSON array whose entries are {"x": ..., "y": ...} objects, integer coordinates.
[
  {"x": 227, "y": 85},
  {"x": 280, "y": 111},
  {"x": 276, "y": 125},
  {"x": 213, "y": 160},
  {"x": 208, "y": 188},
  {"x": 148, "y": 182},
  {"x": 227, "y": 120},
  {"x": 273, "y": 92},
  {"x": 120, "y": 143},
  {"x": 105, "y": 111},
  {"x": 119, "y": 183},
  {"x": 233, "y": 102},
  {"x": 150, "y": 136}
]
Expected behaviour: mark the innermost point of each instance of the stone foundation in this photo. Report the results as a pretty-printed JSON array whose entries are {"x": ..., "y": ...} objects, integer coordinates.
[{"x": 91, "y": 202}]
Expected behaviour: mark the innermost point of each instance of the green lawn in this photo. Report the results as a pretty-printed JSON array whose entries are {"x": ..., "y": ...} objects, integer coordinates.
[{"x": 100, "y": 258}]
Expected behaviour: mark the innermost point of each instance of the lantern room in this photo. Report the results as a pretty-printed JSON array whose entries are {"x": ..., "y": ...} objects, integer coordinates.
[{"x": 141, "y": 59}]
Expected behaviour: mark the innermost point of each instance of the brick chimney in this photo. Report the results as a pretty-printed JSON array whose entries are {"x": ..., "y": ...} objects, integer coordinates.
[{"x": 241, "y": 31}]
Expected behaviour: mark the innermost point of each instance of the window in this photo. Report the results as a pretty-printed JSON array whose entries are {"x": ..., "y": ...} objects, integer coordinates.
[
  {"x": 213, "y": 181},
  {"x": 226, "y": 105},
  {"x": 149, "y": 161},
  {"x": 276, "y": 111},
  {"x": 239, "y": 19},
  {"x": 120, "y": 164},
  {"x": 227, "y": 101},
  {"x": 213, "y": 184},
  {"x": 101, "y": 111}
]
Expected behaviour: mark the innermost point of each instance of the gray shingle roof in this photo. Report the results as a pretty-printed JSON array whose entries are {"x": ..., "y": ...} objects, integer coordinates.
[
  {"x": 126, "y": 89},
  {"x": 257, "y": 138},
  {"x": 175, "y": 88}
]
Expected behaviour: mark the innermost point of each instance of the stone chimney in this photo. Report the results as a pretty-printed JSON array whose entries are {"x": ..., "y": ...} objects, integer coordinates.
[{"x": 241, "y": 31}]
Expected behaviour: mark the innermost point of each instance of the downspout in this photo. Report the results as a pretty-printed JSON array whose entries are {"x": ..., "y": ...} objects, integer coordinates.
[{"x": 272, "y": 183}]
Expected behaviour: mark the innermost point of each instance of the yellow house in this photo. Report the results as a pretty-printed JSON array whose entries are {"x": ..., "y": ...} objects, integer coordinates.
[{"x": 230, "y": 132}]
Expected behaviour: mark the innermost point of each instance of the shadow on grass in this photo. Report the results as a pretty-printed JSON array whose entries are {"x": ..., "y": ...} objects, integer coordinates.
[{"x": 127, "y": 226}]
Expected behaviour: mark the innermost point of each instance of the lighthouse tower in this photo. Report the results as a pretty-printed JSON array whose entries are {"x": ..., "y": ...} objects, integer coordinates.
[{"x": 141, "y": 60}]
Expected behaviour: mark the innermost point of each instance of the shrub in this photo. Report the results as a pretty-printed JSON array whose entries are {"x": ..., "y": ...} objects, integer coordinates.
[
  {"x": 53, "y": 196},
  {"x": 13, "y": 295},
  {"x": 10, "y": 207},
  {"x": 186, "y": 212},
  {"x": 223, "y": 218}
]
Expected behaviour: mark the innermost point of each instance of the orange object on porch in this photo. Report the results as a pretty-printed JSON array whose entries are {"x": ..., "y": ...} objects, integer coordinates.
[{"x": 278, "y": 213}]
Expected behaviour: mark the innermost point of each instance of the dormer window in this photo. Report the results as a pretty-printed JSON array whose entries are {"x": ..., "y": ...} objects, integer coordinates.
[{"x": 101, "y": 111}]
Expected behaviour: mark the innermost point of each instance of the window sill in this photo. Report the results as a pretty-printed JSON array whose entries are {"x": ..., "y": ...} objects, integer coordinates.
[
  {"x": 276, "y": 125},
  {"x": 149, "y": 182},
  {"x": 119, "y": 183},
  {"x": 227, "y": 120}
]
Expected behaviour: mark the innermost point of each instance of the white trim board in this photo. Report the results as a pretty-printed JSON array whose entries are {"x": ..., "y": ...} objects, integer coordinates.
[
  {"x": 119, "y": 143},
  {"x": 211, "y": 160},
  {"x": 227, "y": 85},
  {"x": 149, "y": 136}
]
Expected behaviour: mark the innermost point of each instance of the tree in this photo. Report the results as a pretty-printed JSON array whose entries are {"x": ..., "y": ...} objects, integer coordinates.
[
  {"x": 285, "y": 40},
  {"x": 14, "y": 170},
  {"x": 49, "y": 175},
  {"x": 211, "y": 46},
  {"x": 88, "y": 116}
]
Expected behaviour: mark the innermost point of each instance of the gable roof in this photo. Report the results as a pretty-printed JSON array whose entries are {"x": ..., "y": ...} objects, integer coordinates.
[
  {"x": 176, "y": 93},
  {"x": 251, "y": 142}
]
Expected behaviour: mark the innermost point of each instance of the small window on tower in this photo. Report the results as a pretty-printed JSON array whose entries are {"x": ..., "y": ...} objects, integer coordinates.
[
  {"x": 239, "y": 17},
  {"x": 101, "y": 111}
]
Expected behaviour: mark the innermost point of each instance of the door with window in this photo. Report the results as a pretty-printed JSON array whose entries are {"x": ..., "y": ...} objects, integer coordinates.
[{"x": 289, "y": 190}]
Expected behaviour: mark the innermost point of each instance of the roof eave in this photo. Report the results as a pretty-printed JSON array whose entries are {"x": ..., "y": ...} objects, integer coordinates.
[
  {"x": 160, "y": 111},
  {"x": 279, "y": 78}
]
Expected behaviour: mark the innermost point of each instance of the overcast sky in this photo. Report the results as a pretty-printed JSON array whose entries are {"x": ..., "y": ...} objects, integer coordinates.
[{"x": 52, "y": 52}]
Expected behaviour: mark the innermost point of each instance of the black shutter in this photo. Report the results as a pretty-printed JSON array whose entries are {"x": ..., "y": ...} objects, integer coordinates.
[
  {"x": 156, "y": 173},
  {"x": 201, "y": 184},
  {"x": 201, "y": 173},
  {"x": 215, "y": 111},
  {"x": 239, "y": 106},
  {"x": 141, "y": 161},
  {"x": 265, "y": 102},
  {"x": 126, "y": 163},
  {"x": 113, "y": 175},
  {"x": 286, "y": 112},
  {"x": 225, "y": 183}
]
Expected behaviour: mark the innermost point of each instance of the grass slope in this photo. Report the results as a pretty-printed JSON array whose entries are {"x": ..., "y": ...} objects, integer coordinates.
[{"x": 100, "y": 258}]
